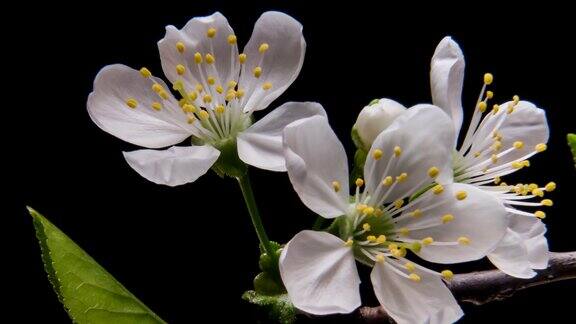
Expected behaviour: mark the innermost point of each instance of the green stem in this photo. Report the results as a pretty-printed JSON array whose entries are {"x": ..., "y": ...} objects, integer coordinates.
[
  {"x": 244, "y": 182},
  {"x": 318, "y": 223}
]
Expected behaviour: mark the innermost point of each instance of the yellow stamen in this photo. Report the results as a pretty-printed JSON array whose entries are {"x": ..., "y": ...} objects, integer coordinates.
[
  {"x": 537, "y": 192},
  {"x": 366, "y": 227},
  {"x": 193, "y": 95},
  {"x": 381, "y": 239},
  {"x": 180, "y": 69},
  {"x": 145, "y": 72},
  {"x": 518, "y": 145},
  {"x": 207, "y": 98},
  {"x": 517, "y": 165},
  {"x": 188, "y": 108},
  {"x": 368, "y": 210},
  {"x": 392, "y": 246},
  {"x": 156, "y": 87},
  {"x": 239, "y": 93},
  {"x": 257, "y": 71},
  {"x": 371, "y": 238},
  {"x": 242, "y": 58},
  {"x": 497, "y": 180},
  {"x": 267, "y": 86},
  {"x": 191, "y": 119},
  {"x": 211, "y": 32},
  {"x": 438, "y": 189},
  {"x": 197, "y": 58},
  {"x": 402, "y": 177},
  {"x": 232, "y": 84},
  {"x": 219, "y": 89},
  {"x": 132, "y": 103},
  {"x": 232, "y": 39},
  {"x": 414, "y": 277},
  {"x": 541, "y": 147},
  {"x": 551, "y": 186},
  {"x": 157, "y": 106},
  {"x": 397, "y": 151},
  {"x": 447, "y": 218},
  {"x": 359, "y": 182},
  {"x": 447, "y": 274},
  {"x": 433, "y": 172},
  {"x": 427, "y": 240},
  {"x": 404, "y": 231},
  {"x": 398, "y": 203},
  {"x": 219, "y": 109},
  {"x": 336, "y": 186},
  {"x": 463, "y": 240},
  {"x": 495, "y": 109},
  {"x": 163, "y": 94},
  {"x": 488, "y": 78},
  {"x": 489, "y": 94},
  {"x": 416, "y": 213},
  {"x": 377, "y": 154},
  {"x": 199, "y": 88},
  {"x": 180, "y": 47},
  {"x": 482, "y": 106},
  {"x": 349, "y": 243},
  {"x": 380, "y": 258},
  {"x": 230, "y": 95},
  {"x": 210, "y": 58},
  {"x": 540, "y": 214},
  {"x": 387, "y": 181},
  {"x": 211, "y": 80},
  {"x": 410, "y": 266},
  {"x": 203, "y": 114},
  {"x": 516, "y": 99},
  {"x": 263, "y": 48},
  {"x": 547, "y": 202},
  {"x": 461, "y": 195}
]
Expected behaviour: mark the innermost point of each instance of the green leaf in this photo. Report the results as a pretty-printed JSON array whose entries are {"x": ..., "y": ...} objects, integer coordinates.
[
  {"x": 279, "y": 307},
  {"x": 572, "y": 143},
  {"x": 88, "y": 292}
]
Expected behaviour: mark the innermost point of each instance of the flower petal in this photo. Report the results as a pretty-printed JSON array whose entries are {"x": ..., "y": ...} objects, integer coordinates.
[
  {"x": 261, "y": 144},
  {"x": 406, "y": 301},
  {"x": 532, "y": 230},
  {"x": 280, "y": 63},
  {"x": 527, "y": 124},
  {"x": 320, "y": 274},
  {"x": 480, "y": 218},
  {"x": 175, "y": 166},
  {"x": 447, "y": 78},
  {"x": 425, "y": 137},
  {"x": 194, "y": 37},
  {"x": 316, "y": 161},
  {"x": 142, "y": 125},
  {"x": 511, "y": 256}
]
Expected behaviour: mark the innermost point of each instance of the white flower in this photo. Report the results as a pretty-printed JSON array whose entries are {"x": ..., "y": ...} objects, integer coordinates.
[
  {"x": 385, "y": 220},
  {"x": 220, "y": 89},
  {"x": 494, "y": 146},
  {"x": 376, "y": 117}
]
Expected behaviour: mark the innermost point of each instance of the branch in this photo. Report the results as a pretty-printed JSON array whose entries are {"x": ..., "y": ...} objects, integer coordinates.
[{"x": 482, "y": 287}]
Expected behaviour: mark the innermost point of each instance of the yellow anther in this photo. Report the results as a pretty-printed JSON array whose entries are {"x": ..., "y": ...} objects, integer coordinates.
[
  {"x": 416, "y": 213},
  {"x": 232, "y": 84},
  {"x": 180, "y": 47},
  {"x": 482, "y": 106},
  {"x": 427, "y": 240},
  {"x": 461, "y": 195},
  {"x": 257, "y": 71},
  {"x": 399, "y": 253},
  {"x": 210, "y": 58},
  {"x": 540, "y": 214},
  {"x": 495, "y": 109},
  {"x": 157, "y": 106},
  {"x": 368, "y": 210},
  {"x": 477, "y": 154},
  {"x": 410, "y": 266},
  {"x": 494, "y": 158},
  {"x": 181, "y": 102},
  {"x": 199, "y": 88},
  {"x": 180, "y": 69},
  {"x": 381, "y": 239},
  {"x": 393, "y": 246},
  {"x": 230, "y": 95},
  {"x": 397, "y": 151},
  {"x": 211, "y": 32},
  {"x": 398, "y": 203},
  {"x": 203, "y": 114},
  {"x": 378, "y": 212},
  {"x": 242, "y": 58},
  {"x": 132, "y": 103},
  {"x": 402, "y": 177},
  {"x": 211, "y": 80},
  {"x": 336, "y": 186},
  {"x": 380, "y": 258},
  {"x": 267, "y": 86},
  {"x": 232, "y": 39},
  {"x": 191, "y": 119},
  {"x": 414, "y": 277},
  {"x": 145, "y": 72},
  {"x": 188, "y": 108},
  {"x": 388, "y": 181},
  {"x": 551, "y": 186},
  {"x": 207, "y": 98},
  {"x": 219, "y": 89},
  {"x": 517, "y": 164},
  {"x": 359, "y": 182},
  {"x": 497, "y": 145},
  {"x": 361, "y": 207},
  {"x": 510, "y": 109},
  {"x": 156, "y": 87},
  {"x": 497, "y": 180},
  {"x": 366, "y": 227},
  {"x": 438, "y": 189},
  {"x": 433, "y": 172},
  {"x": 239, "y": 93},
  {"x": 263, "y": 48},
  {"x": 541, "y": 147},
  {"x": 489, "y": 94},
  {"x": 219, "y": 109},
  {"x": 447, "y": 274},
  {"x": 488, "y": 78},
  {"x": 349, "y": 242},
  {"x": 178, "y": 85},
  {"x": 532, "y": 186},
  {"x": 404, "y": 231},
  {"x": 371, "y": 238},
  {"x": 197, "y": 58},
  {"x": 547, "y": 202},
  {"x": 503, "y": 184},
  {"x": 377, "y": 154},
  {"x": 447, "y": 218},
  {"x": 463, "y": 240},
  {"x": 518, "y": 145},
  {"x": 526, "y": 163},
  {"x": 193, "y": 95},
  {"x": 164, "y": 95},
  {"x": 515, "y": 99},
  {"x": 537, "y": 192}
]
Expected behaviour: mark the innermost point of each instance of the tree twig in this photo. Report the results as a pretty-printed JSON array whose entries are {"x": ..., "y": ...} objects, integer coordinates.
[{"x": 482, "y": 287}]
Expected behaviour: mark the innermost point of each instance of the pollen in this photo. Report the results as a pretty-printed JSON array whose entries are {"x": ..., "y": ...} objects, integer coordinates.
[
  {"x": 388, "y": 181},
  {"x": 210, "y": 58},
  {"x": 495, "y": 109},
  {"x": 447, "y": 218},
  {"x": 517, "y": 165},
  {"x": 211, "y": 32},
  {"x": 399, "y": 253},
  {"x": 263, "y": 48},
  {"x": 397, "y": 151},
  {"x": 232, "y": 39},
  {"x": 242, "y": 58},
  {"x": 482, "y": 106},
  {"x": 257, "y": 71},
  {"x": 494, "y": 158},
  {"x": 378, "y": 212},
  {"x": 336, "y": 186},
  {"x": 191, "y": 119},
  {"x": 540, "y": 147},
  {"x": 211, "y": 80},
  {"x": 156, "y": 87},
  {"x": 381, "y": 239},
  {"x": 547, "y": 202},
  {"x": 193, "y": 95},
  {"x": 515, "y": 99},
  {"x": 461, "y": 195},
  {"x": 410, "y": 266},
  {"x": 380, "y": 258},
  {"x": 349, "y": 242},
  {"x": 447, "y": 274},
  {"x": 437, "y": 189},
  {"x": 219, "y": 89},
  {"x": 145, "y": 72},
  {"x": 361, "y": 207},
  {"x": 477, "y": 154},
  {"x": 359, "y": 182},
  {"x": 497, "y": 180},
  {"x": 518, "y": 145},
  {"x": 377, "y": 154},
  {"x": 366, "y": 227},
  {"x": 537, "y": 192},
  {"x": 463, "y": 240},
  {"x": 180, "y": 47},
  {"x": 392, "y": 246},
  {"x": 404, "y": 231},
  {"x": 180, "y": 69},
  {"x": 551, "y": 186},
  {"x": 207, "y": 98},
  {"x": 232, "y": 84},
  {"x": 197, "y": 58},
  {"x": 371, "y": 238},
  {"x": 540, "y": 214},
  {"x": 267, "y": 86},
  {"x": 402, "y": 177},
  {"x": 230, "y": 95},
  {"x": 219, "y": 109},
  {"x": 414, "y": 277},
  {"x": 132, "y": 103},
  {"x": 433, "y": 172},
  {"x": 368, "y": 210},
  {"x": 488, "y": 78},
  {"x": 427, "y": 240},
  {"x": 203, "y": 114},
  {"x": 156, "y": 106},
  {"x": 489, "y": 94},
  {"x": 416, "y": 213},
  {"x": 239, "y": 93},
  {"x": 398, "y": 203},
  {"x": 188, "y": 108},
  {"x": 178, "y": 85},
  {"x": 199, "y": 88}
]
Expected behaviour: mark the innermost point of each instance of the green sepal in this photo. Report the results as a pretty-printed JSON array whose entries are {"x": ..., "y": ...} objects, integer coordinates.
[
  {"x": 359, "y": 161},
  {"x": 357, "y": 140},
  {"x": 278, "y": 307},
  {"x": 229, "y": 163},
  {"x": 267, "y": 284},
  {"x": 572, "y": 144}
]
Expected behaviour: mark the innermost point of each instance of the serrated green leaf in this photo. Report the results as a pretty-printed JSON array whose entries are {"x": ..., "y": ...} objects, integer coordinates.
[
  {"x": 572, "y": 143},
  {"x": 88, "y": 292},
  {"x": 279, "y": 307}
]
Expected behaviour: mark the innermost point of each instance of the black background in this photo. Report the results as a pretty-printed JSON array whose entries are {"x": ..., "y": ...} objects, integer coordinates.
[{"x": 190, "y": 251}]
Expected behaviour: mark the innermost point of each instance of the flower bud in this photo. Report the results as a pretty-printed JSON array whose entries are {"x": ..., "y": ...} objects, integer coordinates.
[{"x": 375, "y": 118}]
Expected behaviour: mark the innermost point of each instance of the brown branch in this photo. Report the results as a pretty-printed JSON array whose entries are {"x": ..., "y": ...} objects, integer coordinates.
[{"x": 482, "y": 287}]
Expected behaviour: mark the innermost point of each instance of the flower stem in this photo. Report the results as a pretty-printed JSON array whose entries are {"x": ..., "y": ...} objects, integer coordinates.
[{"x": 246, "y": 187}]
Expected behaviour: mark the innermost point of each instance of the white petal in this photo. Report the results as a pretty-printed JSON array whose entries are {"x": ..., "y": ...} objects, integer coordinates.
[
  {"x": 532, "y": 230},
  {"x": 408, "y": 302},
  {"x": 194, "y": 37},
  {"x": 375, "y": 118},
  {"x": 480, "y": 217},
  {"x": 320, "y": 274},
  {"x": 425, "y": 136},
  {"x": 175, "y": 166},
  {"x": 261, "y": 144},
  {"x": 447, "y": 78},
  {"x": 511, "y": 256},
  {"x": 527, "y": 124},
  {"x": 315, "y": 158},
  {"x": 280, "y": 64},
  {"x": 143, "y": 126}
]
